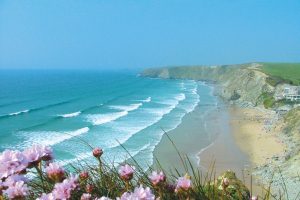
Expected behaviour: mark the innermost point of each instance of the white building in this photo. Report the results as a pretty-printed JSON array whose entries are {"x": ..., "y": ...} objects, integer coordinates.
[{"x": 292, "y": 93}]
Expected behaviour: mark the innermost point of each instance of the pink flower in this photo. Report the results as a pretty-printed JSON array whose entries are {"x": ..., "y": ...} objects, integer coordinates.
[
  {"x": 126, "y": 172},
  {"x": 103, "y": 198},
  {"x": 49, "y": 196},
  {"x": 156, "y": 178},
  {"x": 37, "y": 153},
  {"x": 12, "y": 162},
  {"x": 183, "y": 183},
  {"x": 89, "y": 188},
  {"x": 86, "y": 196},
  {"x": 139, "y": 193},
  {"x": 18, "y": 190},
  {"x": 63, "y": 190},
  {"x": 46, "y": 153},
  {"x": 84, "y": 175},
  {"x": 13, "y": 179},
  {"x": 55, "y": 172},
  {"x": 97, "y": 152}
]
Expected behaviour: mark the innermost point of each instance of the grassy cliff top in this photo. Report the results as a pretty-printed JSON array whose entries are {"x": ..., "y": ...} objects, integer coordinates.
[
  {"x": 285, "y": 71},
  {"x": 277, "y": 72}
]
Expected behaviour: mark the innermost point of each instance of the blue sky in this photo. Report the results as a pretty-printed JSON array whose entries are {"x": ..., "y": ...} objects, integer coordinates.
[{"x": 146, "y": 33}]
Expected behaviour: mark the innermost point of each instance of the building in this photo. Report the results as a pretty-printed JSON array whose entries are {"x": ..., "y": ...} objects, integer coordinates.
[{"x": 291, "y": 93}]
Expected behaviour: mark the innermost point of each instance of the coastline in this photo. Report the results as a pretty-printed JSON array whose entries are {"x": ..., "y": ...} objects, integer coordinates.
[
  {"x": 206, "y": 139},
  {"x": 237, "y": 138}
]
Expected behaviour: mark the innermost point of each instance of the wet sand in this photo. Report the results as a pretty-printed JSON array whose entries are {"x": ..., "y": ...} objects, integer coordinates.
[{"x": 206, "y": 140}]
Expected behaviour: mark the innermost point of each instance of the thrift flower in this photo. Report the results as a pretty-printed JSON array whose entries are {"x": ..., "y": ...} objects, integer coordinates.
[
  {"x": 86, "y": 196},
  {"x": 139, "y": 193},
  {"x": 126, "y": 172},
  {"x": 84, "y": 175},
  {"x": 55, "y": 172},
  {"x": 97, "y": 152},
  {"x": 183, "y": 183},
  {"x": 17, "y": 191},
  {"x": 13, "y": 179},
  {"x": 12, "y": 162},
  {"x": 157, "y": 178},
  {"x": 103, "y": 198},
  {"x": 63, "y": 190},
  {"x": 49, "y": 196},
  {"x": 89, "y": 188}
]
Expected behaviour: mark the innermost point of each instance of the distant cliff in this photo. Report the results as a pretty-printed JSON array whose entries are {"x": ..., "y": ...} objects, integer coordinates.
[{"x": 243, "y": 83}]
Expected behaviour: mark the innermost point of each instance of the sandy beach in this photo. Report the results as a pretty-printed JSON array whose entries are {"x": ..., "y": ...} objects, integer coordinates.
[
  {"x": 206, "y": 140},
  {"x": 255, "y": 135},
  {"x": 229, "y": 137}
]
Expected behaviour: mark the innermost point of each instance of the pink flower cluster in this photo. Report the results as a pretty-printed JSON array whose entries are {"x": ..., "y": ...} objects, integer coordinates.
[
  {"x": 14, "y": 187},
  {"x": 157, "y": 178},
  {"x": 15, "y": 163},
  {"x": 55, "y": 172},
  {"x": 139, "y": 193},
  {"x": 183, "y": 184},
  {"x": 62, "y": 190},
  {"x": 126, "y": 172}
]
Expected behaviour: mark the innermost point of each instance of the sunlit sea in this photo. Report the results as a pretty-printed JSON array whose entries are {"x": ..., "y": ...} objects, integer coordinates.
[{"x": 70, "y": 109}]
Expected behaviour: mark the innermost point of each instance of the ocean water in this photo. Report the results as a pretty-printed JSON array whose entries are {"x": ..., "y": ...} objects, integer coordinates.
[{"x": 68, "y": 109}]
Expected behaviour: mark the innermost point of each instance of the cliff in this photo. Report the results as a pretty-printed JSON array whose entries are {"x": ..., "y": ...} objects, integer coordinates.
[{"x": 239, "y": 83}]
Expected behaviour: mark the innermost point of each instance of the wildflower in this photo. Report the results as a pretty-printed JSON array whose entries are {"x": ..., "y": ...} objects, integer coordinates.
[
  {"x": 49, "y": 196},
  {"x": 12, "y": 162},
  {"x": 46, "y": 153},
  {"x": 225, "y": 182},
  {"x": 17, "y": 191},
  {"x": 55, "y": 172},
  {"x": 139, "y": 193},
  {"x": 86, "y": 196},
  {"x": 33, "y": 155},
  {"x": 84, "y": 175},
  {"x": 89, "y": 188},
  {"x": 63, "y": 190},
  {"x": 126, "y": 172},
  {"x": 13, "y": 179},
  {"x": 183, "y": 183},
  {"x": 157, "y": 178},
  {"x": 254, "y": 198},
  {"x": 103, "y": 198},
  {"x": 97, "y": 152}
]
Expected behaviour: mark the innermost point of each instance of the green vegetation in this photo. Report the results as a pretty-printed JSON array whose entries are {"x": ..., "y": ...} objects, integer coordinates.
[
  {"x": 282, "y": 73},
  {"x": 267, "y": 99}
]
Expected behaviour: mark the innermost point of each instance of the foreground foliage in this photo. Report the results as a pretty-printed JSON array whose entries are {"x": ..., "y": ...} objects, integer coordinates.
[{"x": 50, "y": 181}]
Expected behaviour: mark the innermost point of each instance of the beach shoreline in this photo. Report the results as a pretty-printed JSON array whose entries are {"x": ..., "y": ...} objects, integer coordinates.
[{"x": 240, "y": 140}]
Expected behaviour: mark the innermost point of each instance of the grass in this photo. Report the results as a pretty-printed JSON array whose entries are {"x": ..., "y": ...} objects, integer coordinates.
[
  {"x": 282, "y": 72},
  {"x": 106, "y": 181}
]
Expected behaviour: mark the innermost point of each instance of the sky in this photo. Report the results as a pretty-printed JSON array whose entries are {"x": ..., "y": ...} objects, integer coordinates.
[{"x": 101, "y": 34}]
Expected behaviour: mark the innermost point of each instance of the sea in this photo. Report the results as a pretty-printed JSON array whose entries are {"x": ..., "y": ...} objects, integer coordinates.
[{"x": 74, "y": 110}]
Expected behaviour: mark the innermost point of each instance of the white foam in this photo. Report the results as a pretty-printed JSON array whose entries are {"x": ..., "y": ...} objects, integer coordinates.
[
  {"x": 129, "y": 108},
  {"x": 49, "y": 138},
  {"x": 180, "y": 97},
  {"x": 146, "y": 100},
  {"x": 70, "y": 115},
  {"x": 98, "y": 119},
  {"x": 17, "y": 113}
]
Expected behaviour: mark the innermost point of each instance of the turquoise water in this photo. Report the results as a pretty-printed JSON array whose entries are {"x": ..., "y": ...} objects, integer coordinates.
[{"x": 104, "y": 109}]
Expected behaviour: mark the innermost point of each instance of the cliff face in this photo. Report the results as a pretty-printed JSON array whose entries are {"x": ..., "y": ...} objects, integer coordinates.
[{"x": 239, "y": 83}]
